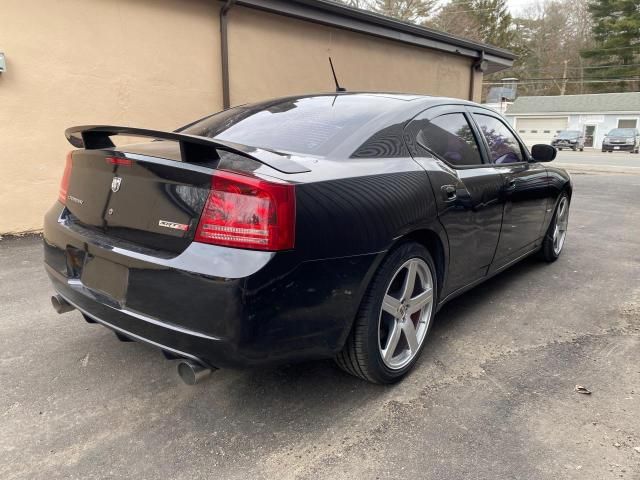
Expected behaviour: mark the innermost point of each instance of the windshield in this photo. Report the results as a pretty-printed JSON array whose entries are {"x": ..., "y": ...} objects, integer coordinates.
[
  {"x": 309, "y": 125},
  {"x": 622, "y": 132},
  {"x": 569, "y": 134}
]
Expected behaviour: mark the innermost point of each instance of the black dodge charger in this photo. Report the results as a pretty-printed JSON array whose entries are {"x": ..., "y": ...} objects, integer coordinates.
[{"x": 321, "y": 226}]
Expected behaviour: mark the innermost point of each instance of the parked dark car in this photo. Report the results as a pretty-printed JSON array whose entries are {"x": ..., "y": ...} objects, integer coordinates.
[
  {"x": 622, "y": 139},
  {"x": 324, "y": 226},
  {"x": 572, "y": 139}
]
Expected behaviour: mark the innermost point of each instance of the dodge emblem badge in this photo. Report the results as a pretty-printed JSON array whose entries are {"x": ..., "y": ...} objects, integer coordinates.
[{"x": 115, "y": 184}]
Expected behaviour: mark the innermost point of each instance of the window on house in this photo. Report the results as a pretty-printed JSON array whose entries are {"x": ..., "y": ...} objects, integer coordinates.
[{"x": 628, "y": 123}]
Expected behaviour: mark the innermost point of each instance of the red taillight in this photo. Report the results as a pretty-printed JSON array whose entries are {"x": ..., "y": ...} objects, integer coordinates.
[
  {"x": 125, "y": 162},
  {"x": 64, "y": 183},
  {"x": 248, "y": 212}
]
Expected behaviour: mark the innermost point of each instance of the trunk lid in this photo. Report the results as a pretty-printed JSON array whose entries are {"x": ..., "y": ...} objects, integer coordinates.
[{"x": 144, "y": 195}]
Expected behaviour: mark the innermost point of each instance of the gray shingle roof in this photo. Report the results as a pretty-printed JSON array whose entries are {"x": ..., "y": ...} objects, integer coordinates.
[{"x": 600, "y": 102}]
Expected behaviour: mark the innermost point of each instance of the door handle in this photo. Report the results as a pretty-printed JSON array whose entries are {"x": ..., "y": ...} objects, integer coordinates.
[
  {"x": 449, "y": 193},
  {"x": 511, "y": 184}
]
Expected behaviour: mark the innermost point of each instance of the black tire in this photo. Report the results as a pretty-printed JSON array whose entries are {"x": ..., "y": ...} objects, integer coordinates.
[
  {"x": 361, "y": 353},
  {"x": 559, "y": 149},
  {"x": 547, "y": 252},
  {"x": 582, "y": 149}
]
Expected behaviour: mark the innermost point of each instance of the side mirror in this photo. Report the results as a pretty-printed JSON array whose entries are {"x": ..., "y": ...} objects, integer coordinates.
[{"x": 543, "y": 153}]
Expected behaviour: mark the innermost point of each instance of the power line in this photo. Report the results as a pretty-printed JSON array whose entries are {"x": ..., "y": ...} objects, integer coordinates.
[
  {"x": 605, "y": 66},
  {"x": 637, "y": 47},
  {"x": 593, "y": 67},
  {"x": 537, "y": 82},
  {"x": 558, "y": 79},
  {"x": 549, "y": 70}
]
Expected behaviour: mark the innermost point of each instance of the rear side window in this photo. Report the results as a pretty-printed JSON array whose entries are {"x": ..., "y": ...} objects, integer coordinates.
[
  {"x": 450, "y": 137},
  {"x": 503, "y": 145}
]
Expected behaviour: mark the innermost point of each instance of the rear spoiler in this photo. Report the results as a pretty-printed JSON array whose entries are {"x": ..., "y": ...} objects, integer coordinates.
[{"x": 192, "y": 147}]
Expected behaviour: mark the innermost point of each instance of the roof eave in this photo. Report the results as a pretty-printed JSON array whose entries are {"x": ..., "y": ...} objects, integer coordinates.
[{"x": 330, "y": 13}]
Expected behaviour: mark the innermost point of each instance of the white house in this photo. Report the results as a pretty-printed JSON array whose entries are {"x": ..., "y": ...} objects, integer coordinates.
[{"x": 538, "y": 119}]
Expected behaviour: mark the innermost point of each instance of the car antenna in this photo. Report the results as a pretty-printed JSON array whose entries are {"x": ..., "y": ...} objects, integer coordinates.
[{"x": 335, "y": 78}]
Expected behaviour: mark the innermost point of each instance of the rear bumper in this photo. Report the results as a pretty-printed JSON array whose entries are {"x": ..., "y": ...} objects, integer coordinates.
[
  {"x": 564, "y": 145},
  {"x": 221, "y": 306},
  {"x": 168, "y": 337},
  {"x": 618, "y": 148}
]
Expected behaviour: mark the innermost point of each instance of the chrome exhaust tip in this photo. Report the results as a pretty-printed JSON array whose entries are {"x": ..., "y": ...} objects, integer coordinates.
[
  {"x": 60, "y": 305},
  {"x": 191, "y": 372}
]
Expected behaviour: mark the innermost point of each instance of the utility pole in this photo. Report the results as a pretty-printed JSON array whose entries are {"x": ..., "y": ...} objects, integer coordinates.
[
  {"x": 581, "y": 76},
  {"x": 563, "y": 88}
]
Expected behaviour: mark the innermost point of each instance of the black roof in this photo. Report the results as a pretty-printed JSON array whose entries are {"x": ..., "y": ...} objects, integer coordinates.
[
  {"x": 405, "y": 103},
  {"x": 329, "y": 12}
]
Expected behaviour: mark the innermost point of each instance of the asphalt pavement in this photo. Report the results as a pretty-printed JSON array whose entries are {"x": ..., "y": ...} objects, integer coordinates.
[
  {"x": 492, "y": 397},
  {"x": 590, "y": 159}
]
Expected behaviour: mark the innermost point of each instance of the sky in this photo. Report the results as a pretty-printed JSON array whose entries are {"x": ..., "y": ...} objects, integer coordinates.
[{"x": 518, "y": 6}]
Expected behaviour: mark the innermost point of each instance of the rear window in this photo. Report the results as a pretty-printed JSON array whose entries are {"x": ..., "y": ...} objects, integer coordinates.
[
  {"x": 569, "y": 134},
  {"x": 311, "y": 125}
]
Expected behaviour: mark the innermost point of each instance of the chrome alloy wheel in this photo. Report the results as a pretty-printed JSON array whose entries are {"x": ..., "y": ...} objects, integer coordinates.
[
  {"x": 405, "y": 313},
  {"x": 560, "y": 228}
]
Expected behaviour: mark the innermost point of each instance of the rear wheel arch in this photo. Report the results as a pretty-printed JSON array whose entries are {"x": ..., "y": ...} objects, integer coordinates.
[
  {"x": 434, "y": 240},
  {"x": 434, "y": 244},
  {"x": 363, "y": 354},
  {"x": 567, "y": 188}
]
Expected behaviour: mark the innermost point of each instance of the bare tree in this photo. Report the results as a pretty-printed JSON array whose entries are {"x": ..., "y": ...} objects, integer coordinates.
[
  {"x": 457, "y": 18},
  {"x": 415, "y": 11},
  {"x": 548, "y": 39}
]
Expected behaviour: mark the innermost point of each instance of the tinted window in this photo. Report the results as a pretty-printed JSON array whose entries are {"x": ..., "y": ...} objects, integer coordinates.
[
  {"x": 503, "y": 146},
  {"x": 569, "y": 134},
  {"x": 623, "y": 132},
  {"x": 308, "y": 125},
  {"x": 451, "y": 137}
]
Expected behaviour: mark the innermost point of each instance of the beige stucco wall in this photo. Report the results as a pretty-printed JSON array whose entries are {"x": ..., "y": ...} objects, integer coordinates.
[
  {"x": 477, "y": 89},
  {"x": 265, "y": 62},
  {"x": 156, "y": 64},
  {"x": 152, "y": 63}
]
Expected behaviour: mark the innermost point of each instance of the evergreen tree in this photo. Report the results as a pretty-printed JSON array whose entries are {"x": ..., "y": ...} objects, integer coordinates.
[
  {"x": 495, "y": 22},
  {"x": 616, "y": 30},
  {"x": 487, "y": 21}
]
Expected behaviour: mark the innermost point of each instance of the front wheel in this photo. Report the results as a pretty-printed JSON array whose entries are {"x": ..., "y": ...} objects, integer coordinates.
[
  {"x": 395, "y": 316},
  {"x": 557, "y": 232}
]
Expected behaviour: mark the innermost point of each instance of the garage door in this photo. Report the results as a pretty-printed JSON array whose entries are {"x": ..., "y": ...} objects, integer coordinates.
[{"x": 539, "y": 130}]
